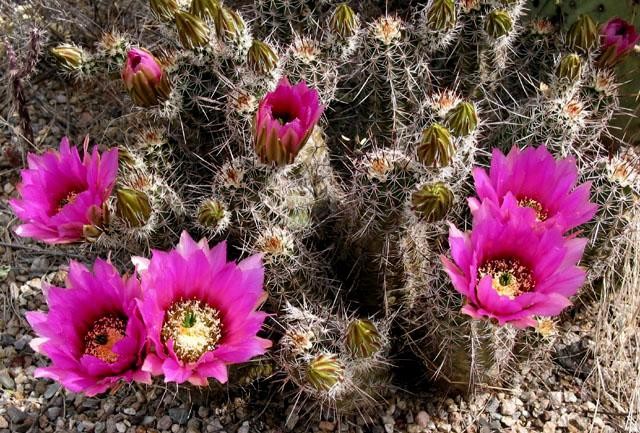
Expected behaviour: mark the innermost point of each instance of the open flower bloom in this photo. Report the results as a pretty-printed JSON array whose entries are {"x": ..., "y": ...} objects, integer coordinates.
[
  {"x": 284, "y": 121},
  {"x": 144, "y": 78},
  {"x": 93, "y": 332},
  {"x": 538, "y": 182},
  {"x": 62, "y": 193},
  {"x": 510, "y": 269},
  {"x": 618, "y": 37},
  {"x": 200, "y": 311}
]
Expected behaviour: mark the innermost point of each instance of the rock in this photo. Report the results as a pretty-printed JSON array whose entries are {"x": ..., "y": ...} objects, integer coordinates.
[
  {"x": 121, "y": 427},
  {"x": 244, "y": 428},
  {"x": 508, "y": 421},
  {"x": 570, "y": 397},
  {"x": 555, "y": 398},
  {"x": 388, "y": 422},
  {"x": 508, "y": 407},
  {"x": 85, "y": 426},
  {"x": 16, "y": 415},
  {"x": 179, "y": 415},
  {"x": 549, "y": 427},
  {"x": 203, "y": 412},
  {"x": 164, "y": 423},
  {"x": 3, "y": 422},
  {"x": 327, "y": 426},
  {"x": 423, "y": 419},
  {"x": 51, "y": 390},
  {"x": 22, "y": 342},
  {"x": 214, "y": 425},
  {"x": 6, "y": 381},
  {"x": 129, "y": 411},
  {"x": 148, "y": 420},
  {"x": 109, "y": 406},
  {"x": 53, "y": 413},
  {"x": 99, "y": 428}
]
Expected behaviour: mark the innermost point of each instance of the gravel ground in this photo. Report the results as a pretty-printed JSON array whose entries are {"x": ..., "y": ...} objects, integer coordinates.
[{"x": 558, "y": 399}]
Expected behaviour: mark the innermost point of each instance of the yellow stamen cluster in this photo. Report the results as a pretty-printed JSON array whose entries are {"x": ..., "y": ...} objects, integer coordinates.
[
  {"x": 509, "y": 277},
  {"x": 194, "y": 327},
  {"x": 388, "y": 29},
  {"x": 102, "y": 336},
  {"x": 541, "y": 213},
  {"x": 67, "y": 199}
]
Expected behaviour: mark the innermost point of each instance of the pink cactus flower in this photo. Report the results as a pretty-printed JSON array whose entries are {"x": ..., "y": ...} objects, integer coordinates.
[
  {"x": 509, "y": 268},
  {"x": 144, "y": 78},
  {"x": 200, "y": 311},
  {"x": 284, "y": 122},
  {"x": 618, "y": 37},
  {"x": 540, "y": 183},
  {"x": 93, "y": 333},
  {"x": 62, "y": 193}
]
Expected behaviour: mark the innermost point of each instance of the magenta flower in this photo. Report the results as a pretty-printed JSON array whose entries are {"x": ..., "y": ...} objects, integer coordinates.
[
  {"x": 284, "y": 121},
  {"x": 93, "y": 333},
  {"x": 61, "y": 193},
  {"x": 538, "y": 182},
  {"x": 200, "y": 311},
  {"x": 144, "y": 78},
  {"x": 618, "y": 37},
  {"x": 509, "y": 268}
]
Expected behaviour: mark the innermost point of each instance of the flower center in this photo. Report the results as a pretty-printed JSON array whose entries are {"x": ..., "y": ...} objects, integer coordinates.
[
  {"x": 67, "y": 199},
  {"x": 194, "y": 327},
  {"x": 541, "y": 213},
  {"x": 283, "y": 116},
  {"x": 509, "y": 277},
  {"x": 103, "y": 335}
]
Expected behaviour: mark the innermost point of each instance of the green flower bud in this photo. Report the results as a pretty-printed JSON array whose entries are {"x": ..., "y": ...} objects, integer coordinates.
[
  {"x": 70, "y": 57},
  {"x": 436, "y": 148},
  {"x": 442, "y": 15},
  {"x": 133, "y": 206},
  {"x": 205, "y": 9},
  {"x": 211, "y": 213},
  {"x": 344, "y": 22},
  {"x": 462, "y": 120},
  {"x": 192, "y": 31},
  {"x": 261, "y": 58},
  {"x": 164, "y": 9},
  {"x": 363, "y": 339},
  {"x": 229, "y": 24},
  {"x": 324, "y": 372},
  {"x": 570, "y": 68},
  {"x": 583, "y": 34},
  {"x": 432, "y": 201},
  {"x": 498, "y": 23}
]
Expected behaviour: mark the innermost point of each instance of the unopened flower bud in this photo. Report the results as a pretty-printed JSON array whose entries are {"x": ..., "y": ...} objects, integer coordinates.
[
  {"x": 344, "y": 21},
  {"x": 261, "y": 58},
  {"x": 229, "y": 24},
  {"x": 363, "y": 339},
  {"x": 618, "y": 39},
  {"x": 442, "y": 15},
  {"x": 133, "y": 206},
  {"x": 570, "y": 68},
  {"x": 324, "y": 372},
  {"x": 462, "y": 120},
  {"x": 144, "y": 78},
  {"x": 205, "y": 9},
  {"x": 583, "y": 34},
  {"x": 432, "y": 201},
  {"x": 212, "y": 214},
  {"x": 164, "y": 9},
  {"x": 192, "y": 31},
  {"x": 436, "y": 148},
  {"x": 498, "y": 23},
  {"x": 284, "y": 122},
  {"x": 69, "y": 56}
]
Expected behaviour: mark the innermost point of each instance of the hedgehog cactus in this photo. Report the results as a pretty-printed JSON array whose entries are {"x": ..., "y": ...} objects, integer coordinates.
[{"x": 338, "y": 148}]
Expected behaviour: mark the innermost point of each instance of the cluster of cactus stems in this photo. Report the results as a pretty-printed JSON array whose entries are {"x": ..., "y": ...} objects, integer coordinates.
[{"x": 352, "y": 225}]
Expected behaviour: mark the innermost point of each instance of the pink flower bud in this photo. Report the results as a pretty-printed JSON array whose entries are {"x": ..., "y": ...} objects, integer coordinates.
[
  {"x": 144, "y": 78},
  {"x": 618, "y": 38},
  {"x": 284, "y": 122}
]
